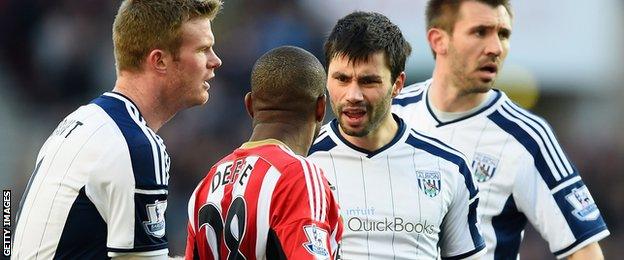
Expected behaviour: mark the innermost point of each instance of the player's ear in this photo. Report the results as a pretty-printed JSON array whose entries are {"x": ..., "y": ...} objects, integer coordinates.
[
  {"x": 158, "y": 60},
  {"x": 438, "y": 40},
  {"x": 321, "y": 103},
  {"x": 398, "y": 84},
  {"x": 249, "y": 104}
]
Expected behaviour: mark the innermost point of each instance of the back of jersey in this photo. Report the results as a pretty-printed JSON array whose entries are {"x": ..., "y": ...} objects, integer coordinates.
[{"x": 263, "y": 202}]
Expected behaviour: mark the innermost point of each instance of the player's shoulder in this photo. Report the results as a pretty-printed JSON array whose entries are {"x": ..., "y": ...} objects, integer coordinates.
[
  {"x": 512, "y": 110},
  {"x": 435, "y": 147},
  {"x": 324, "y": 141},
  {"x": 411, "y": 94},
  {"x": 528, "y": 129},
  {"x": 537, "y": 139},
  {"x": 127, "y": 118},
  {"x": 276, "y": 156},
  {"x": 86, "y": 128},
  {"x": 142, "y": 147}
]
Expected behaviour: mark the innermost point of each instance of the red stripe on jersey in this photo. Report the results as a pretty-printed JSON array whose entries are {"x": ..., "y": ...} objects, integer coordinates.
[{"x": 296, "y": 187}]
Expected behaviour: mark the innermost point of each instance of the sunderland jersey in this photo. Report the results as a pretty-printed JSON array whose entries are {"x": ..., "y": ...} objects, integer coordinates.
[
  {"x": 99, "y": 187},
  {"x": 414, "y": 198},
  {"x": 522, "y": 173},
  {"x": 263, "y": 202}
]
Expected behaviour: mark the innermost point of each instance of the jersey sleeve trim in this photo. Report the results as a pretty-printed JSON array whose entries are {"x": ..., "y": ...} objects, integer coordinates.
[
  {"x": 164, "y": 251},
  {"x": 593, "y": 236},
  {"x": 162, "y": 246},
  {"x": 479, "y": 251},
  {"x": 151, "y": 192}
]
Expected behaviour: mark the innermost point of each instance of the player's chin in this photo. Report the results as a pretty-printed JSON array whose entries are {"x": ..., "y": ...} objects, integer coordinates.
[
  {"x": 203, "y": 95},
  {"x": 482, "y": 86},
  {"x": 198, "y": 100},
  {"x": 355, "y": 131}
]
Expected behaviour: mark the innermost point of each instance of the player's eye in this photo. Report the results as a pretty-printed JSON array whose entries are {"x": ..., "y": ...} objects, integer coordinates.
[
  {"x": 480, "y": 32},
  {"x": 342, "y": 78},
  {"x": 504, "y": 34},
  {"x": 367, "y": 81}
]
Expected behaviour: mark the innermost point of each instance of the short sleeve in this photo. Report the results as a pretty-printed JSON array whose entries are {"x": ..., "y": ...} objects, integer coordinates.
[
  {"x": 305, "y": 223},
  {"x": 461, "y": 238},
  {"x": 566, "y": 215},
  {"x": 135, "y": 217}
]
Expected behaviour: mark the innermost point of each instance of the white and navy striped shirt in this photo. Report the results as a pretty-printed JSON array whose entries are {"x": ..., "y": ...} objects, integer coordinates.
[
  {"x": 521, "y": 170},
  {"x": 99, "y": 188},
  {"x": 414, "y": 198}
]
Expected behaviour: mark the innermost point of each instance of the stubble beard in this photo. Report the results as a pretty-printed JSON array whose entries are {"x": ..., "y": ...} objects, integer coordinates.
[
  {"x": 376, "y": 113},
  {"x": 463, "y": 79}
]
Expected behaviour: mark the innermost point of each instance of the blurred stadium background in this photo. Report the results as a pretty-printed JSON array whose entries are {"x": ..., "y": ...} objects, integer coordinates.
[{"x": 566, "y": 64}]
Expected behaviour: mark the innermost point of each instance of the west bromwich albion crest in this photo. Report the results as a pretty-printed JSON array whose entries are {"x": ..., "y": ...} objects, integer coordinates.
[
  {"x": 585, "y": 208},
  {"x": 429, "y": 182},
  {"x": 484, "y": 166}
]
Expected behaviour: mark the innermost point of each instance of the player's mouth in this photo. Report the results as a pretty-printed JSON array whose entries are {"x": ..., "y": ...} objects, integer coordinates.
[
  {"x": 488, "y": 71},
  {"x": 354, "y": 116},
  {"x": 206, "y": 85}
]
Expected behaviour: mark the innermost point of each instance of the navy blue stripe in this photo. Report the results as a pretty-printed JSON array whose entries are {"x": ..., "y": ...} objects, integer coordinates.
[
  {"x": 134, "y": 105},
  {"x": 84, "y": 233},
  {"x": 508, "y": 227},
  {"x": 440, "y": 143},
  {"x": 529, "y": 144},
  {"x": 477, "y": 239},
  {"x": 406, "y": 101},
  {"x": 324, "y": 145},
  {"x": 467, "y": 254},
  {"x": 322, "y": 132},
  {"x": 370, "y": 154},
  {"x": 421, "y": 86},
  {"x": 546, "y": 130},
  {"x": 451, "y": 157},
  {"x": 160, "y": 159},
  {"x": 139, "y": 146},
  {"x": 440, "y": 123},
  {"x": 540, "y": 137}
]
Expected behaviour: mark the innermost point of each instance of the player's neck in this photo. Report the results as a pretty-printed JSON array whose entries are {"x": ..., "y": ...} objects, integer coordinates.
[
  {"x": 446, "y": 97},
  {"x": 297, "y": 138},
  {"x": 375, "y": 139},
  {"x": 153, "y": 109}
]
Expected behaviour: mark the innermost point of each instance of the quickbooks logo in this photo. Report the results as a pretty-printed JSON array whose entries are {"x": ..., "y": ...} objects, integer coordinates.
[{"x": 397, "y": 225}]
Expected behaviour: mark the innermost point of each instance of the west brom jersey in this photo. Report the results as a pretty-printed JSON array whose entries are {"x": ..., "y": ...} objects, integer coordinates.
[
  {"x": 522, "y": 173},
  {"x": 99, "y": 188},
  {"x": 406, "y": 200},
  {"x": 263, "y": 202}
]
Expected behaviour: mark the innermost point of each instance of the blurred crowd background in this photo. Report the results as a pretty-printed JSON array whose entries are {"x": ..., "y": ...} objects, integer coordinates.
[{"x": 566, "y": 64}]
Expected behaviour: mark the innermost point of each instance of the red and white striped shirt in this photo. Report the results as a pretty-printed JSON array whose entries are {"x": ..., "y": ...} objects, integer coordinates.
[{"x": 263, "y": 202}]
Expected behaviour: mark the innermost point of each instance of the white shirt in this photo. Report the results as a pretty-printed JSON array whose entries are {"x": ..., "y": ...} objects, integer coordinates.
[
  {"x": 414, "y": 198},
  {"x": 521, "y": 170},
  {"x": 99, "y": 187}
]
